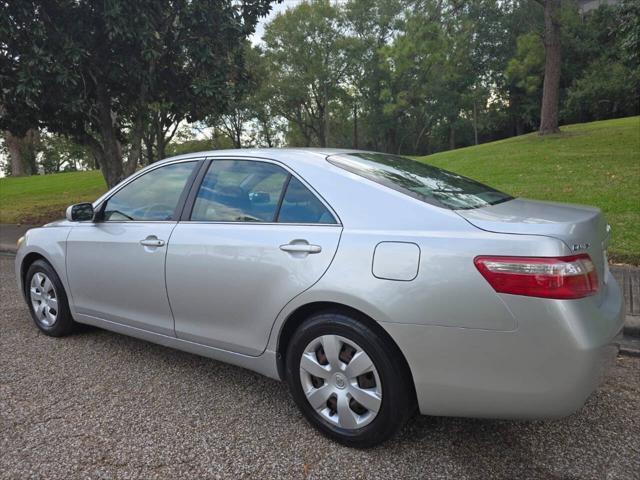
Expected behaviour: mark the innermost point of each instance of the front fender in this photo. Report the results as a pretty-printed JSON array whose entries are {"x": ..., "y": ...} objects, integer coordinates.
[{"x": 49, "y": 243}]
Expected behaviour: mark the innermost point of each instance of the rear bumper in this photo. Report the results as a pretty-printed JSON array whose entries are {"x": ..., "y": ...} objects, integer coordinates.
[{"x": 545, "y": 368}]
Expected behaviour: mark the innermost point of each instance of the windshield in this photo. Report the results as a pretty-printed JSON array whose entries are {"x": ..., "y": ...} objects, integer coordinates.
[{"x": 419, "y": 180}]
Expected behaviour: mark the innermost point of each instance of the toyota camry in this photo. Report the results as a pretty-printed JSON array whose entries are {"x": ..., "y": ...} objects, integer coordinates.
[{"x": 375, "y": 286}]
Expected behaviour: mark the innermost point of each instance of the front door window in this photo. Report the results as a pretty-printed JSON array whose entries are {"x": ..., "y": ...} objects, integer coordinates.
[{"x": 152, "y": 197}]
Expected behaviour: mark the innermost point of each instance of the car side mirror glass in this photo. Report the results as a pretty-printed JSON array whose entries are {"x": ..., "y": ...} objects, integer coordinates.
[{"x": 80, "y": 212}]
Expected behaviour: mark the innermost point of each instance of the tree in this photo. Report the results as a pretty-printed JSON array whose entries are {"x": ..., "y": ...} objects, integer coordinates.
[
  {"x": 61, "y": 154},
  {"x": 601, "y": 78},
  {"x": 306, "y": 47},
  {"x": 233, "y": 122},
  {"x": 372, "y": 25},
  {"x": 552, "y": 67},
  {"x": 92, "y": 70},
  {"x": 524, "y": 76},
  {"x": 160, "y": 127}
]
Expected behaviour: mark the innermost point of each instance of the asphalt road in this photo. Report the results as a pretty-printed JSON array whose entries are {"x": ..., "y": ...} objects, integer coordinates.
[{"x": 101, "y": 405}]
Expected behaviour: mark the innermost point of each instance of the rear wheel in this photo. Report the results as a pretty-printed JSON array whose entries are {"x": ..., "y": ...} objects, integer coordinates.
[
  {"x": 348, "y": 382},
  {"x": 47, "y": 300}
]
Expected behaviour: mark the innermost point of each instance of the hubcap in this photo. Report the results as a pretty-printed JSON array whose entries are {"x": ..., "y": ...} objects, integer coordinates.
[
  {"x": 43, "y": 299},
  {"x": 340, "y": 381}
]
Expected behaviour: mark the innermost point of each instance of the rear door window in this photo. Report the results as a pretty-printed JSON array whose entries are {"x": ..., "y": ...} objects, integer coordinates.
[
  {"x": 239, "y": 191},
  {"x": 299, "y": 205},
  {"x": 255, "y": 191}
]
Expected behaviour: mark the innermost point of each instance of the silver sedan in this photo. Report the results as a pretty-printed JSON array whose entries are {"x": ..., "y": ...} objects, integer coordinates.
[{"x": 374, "y": 285}]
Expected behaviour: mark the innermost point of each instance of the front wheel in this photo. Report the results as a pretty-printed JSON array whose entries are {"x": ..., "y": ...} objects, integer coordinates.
[
  {"x": 349, "y": 382},
  {"x": 47, "y": 300}
]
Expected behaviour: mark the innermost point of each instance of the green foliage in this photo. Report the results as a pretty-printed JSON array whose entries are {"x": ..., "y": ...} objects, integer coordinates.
[
  {"x": 418, "y": 76},
  {"x": 602, "y": 77},
  {"x": 606, "y": 89},
  {"x": 61, "y": 154},
  {"x": 524, "y": 74},
  {"x": 630, "y": 31},
  {"x": 193, "y": 146},
  {"x": 407, "y": 76},
  {"x": 95, "y": 71},
  {"x": 308, "y": 52}
]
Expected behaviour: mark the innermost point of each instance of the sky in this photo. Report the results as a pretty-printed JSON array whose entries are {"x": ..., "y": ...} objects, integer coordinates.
[{"x": 275, "y": 9}]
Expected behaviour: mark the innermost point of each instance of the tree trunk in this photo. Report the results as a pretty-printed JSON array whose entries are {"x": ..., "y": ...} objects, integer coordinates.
[
  {"x": 355, "y": 126},
  {"x": 325, "y": 122},
  {"x": 108, "y": 151},
  {"x": 30, "y": 151},
  {"x": 475, "y": 122},
  {"x": 553, "y": 56},
  {"x": 14, "y": 146},
  {"x": 267, "y": 133},
  {"x": 237, "y": 130},
  {"x": 452, "y": 136},
  {"x": 148, "y": 145},
  {"x": 160, "y": 146},
  {"x": 22, "y": 152},
  {"x": 518, "y": 126},
  {"x": 135, "y": 149},
  {"x": 110, "y": 161},
  {"x": 320, "y": 130}
]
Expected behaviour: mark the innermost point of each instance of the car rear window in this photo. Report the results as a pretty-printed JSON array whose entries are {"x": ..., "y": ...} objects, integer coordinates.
[{"x": 419, "y": 180}]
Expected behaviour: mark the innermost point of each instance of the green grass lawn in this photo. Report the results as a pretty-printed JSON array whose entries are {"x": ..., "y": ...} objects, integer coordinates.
[
  {"x": 42, "y": 198},
  {"x": 593, "y": 163}
]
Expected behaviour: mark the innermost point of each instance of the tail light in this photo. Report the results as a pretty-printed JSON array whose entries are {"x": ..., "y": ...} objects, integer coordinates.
[{"x": 548, "y": 277}]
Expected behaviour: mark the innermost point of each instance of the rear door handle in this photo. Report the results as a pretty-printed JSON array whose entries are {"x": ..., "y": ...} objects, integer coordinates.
[
  {"x": 152, "y": 241},
  {"x": 300, "y": 248}
]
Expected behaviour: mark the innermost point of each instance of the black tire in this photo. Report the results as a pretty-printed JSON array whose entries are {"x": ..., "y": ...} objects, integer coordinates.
[
  {"x": 398, "y": 399},
  {"x": 63, "y": 324}
]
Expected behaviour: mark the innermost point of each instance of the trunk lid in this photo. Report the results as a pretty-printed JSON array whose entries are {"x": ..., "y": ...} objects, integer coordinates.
[{"x": 583, "y": 229}]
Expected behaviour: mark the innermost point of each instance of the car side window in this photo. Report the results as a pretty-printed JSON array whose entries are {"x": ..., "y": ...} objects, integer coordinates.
[
  {"x": 152, "y": 197},
  {"x": 299, "y": 205},
  {"x": 239, "y": 191}
]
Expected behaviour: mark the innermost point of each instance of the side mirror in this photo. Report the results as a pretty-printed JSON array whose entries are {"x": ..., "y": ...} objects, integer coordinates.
[{"x": 80, "y": 212}]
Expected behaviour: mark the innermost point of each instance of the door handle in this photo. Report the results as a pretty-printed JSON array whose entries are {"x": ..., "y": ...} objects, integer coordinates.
[
  {"x": 152, "y": 241},
  {"x": 300, "y": 248}
]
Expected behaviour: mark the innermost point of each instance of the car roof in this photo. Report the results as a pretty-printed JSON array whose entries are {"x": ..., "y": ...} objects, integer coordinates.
[{"x": 288, "y": 156}]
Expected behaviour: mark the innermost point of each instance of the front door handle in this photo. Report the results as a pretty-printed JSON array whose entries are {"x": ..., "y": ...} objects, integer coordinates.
[
  {"x": 152, "y": 241},
  {"x": 300, "y": 248}
]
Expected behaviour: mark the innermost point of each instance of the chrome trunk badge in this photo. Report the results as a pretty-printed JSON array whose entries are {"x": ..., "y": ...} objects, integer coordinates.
[{"x": 577, "y": 247}]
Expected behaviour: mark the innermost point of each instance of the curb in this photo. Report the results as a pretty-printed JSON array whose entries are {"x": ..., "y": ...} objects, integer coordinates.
[
  {"x": 629, "y": 346},
  {"x": 632, "y": 325}
]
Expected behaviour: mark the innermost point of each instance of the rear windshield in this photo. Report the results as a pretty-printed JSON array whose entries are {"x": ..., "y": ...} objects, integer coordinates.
[{"x": 419, "y": 180}]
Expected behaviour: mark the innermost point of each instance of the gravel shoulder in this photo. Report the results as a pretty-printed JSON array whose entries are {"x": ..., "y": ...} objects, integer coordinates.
[{"x": 101, "y": 405}]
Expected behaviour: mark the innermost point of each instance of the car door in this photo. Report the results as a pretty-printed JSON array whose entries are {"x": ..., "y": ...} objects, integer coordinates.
[
  {"x": 115, "y": 265},
  {"x": 256, "y": 237}
]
